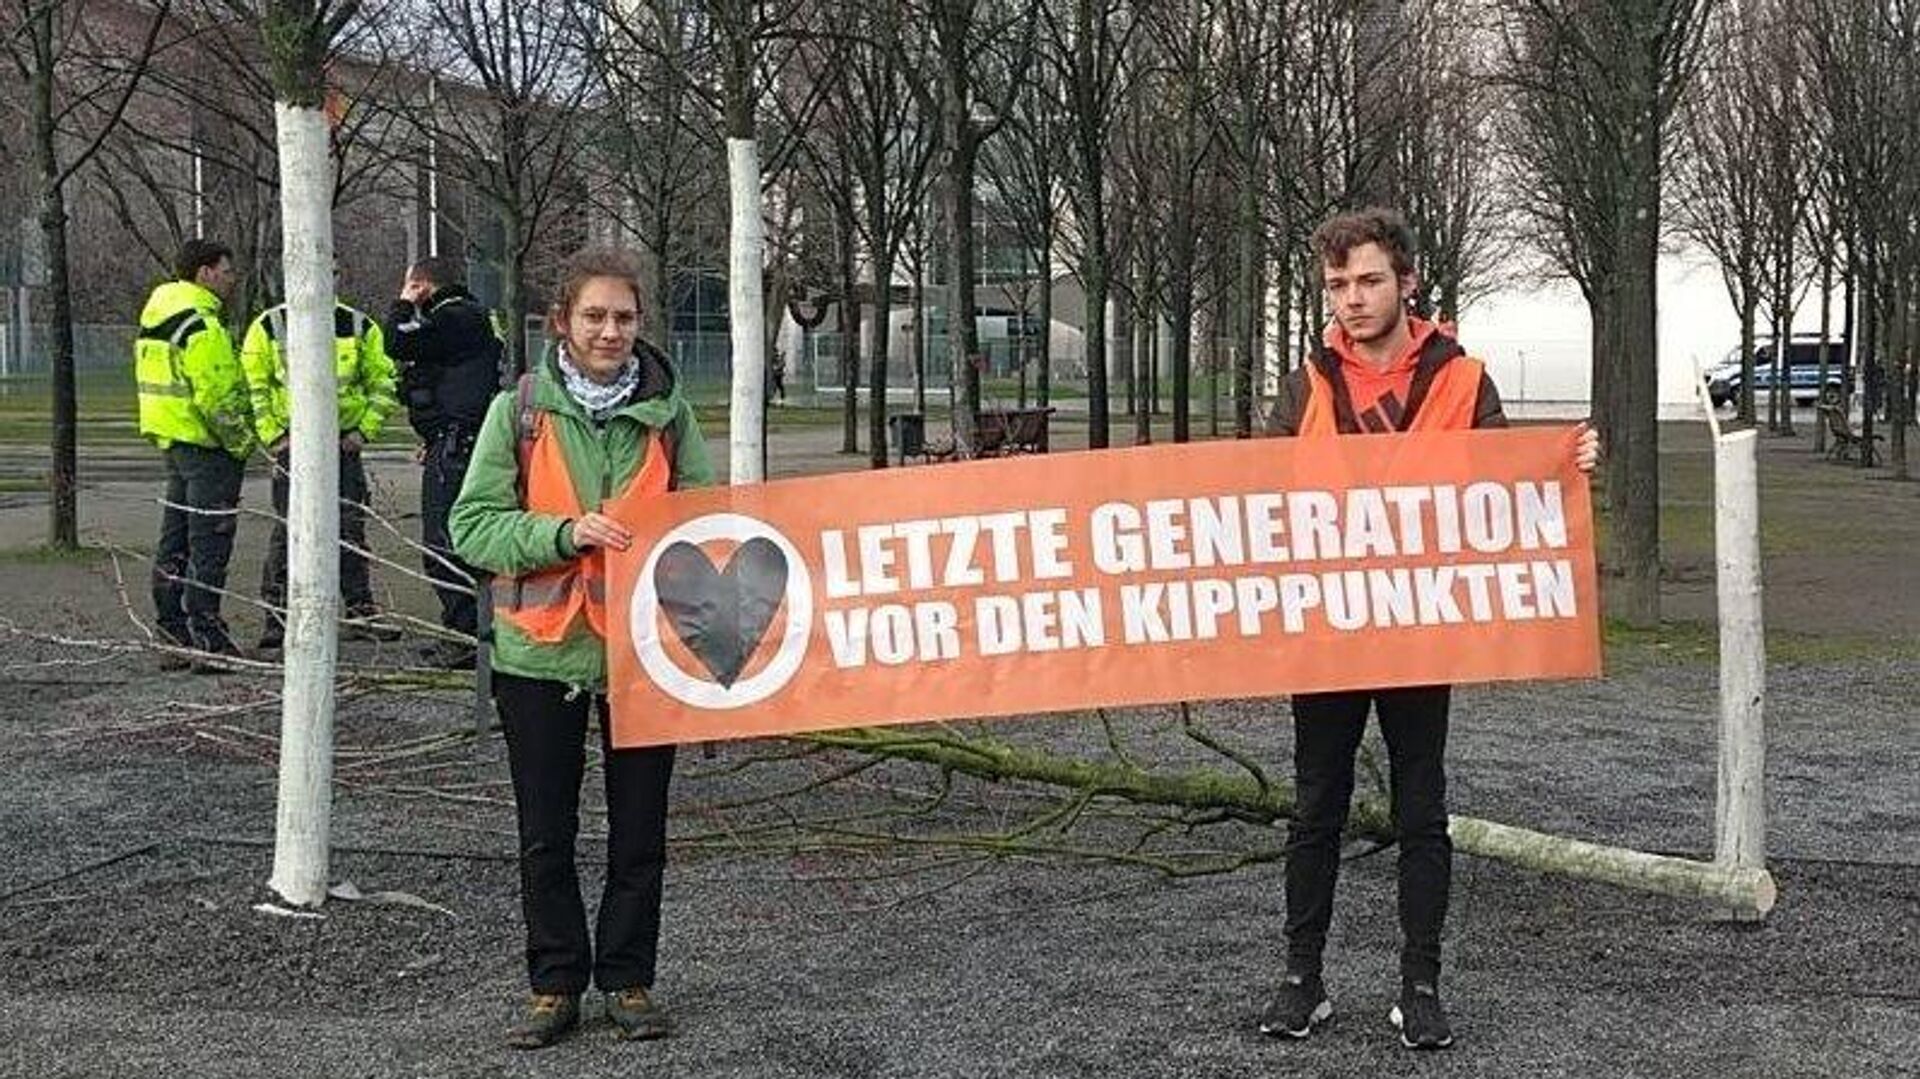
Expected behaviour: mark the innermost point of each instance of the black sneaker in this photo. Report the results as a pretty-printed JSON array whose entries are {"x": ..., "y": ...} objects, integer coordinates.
[
  {"x": 549, "y": 1015},
  {"x": 1420, "y": 1019},
  {"x": 216, "y": 648},
  {"x": 1301, "y": 1005},
  {"x": 635, "y": 1015},
  {"x": 175, "y": 638},
  {"x": 447, "y": 655}
]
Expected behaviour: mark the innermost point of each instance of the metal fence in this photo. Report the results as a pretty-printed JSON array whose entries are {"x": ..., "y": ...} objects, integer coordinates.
[
  {"x": 700, "y": 358},
  {"x": 96, "y": 346},
  {"x": 1001, "y": 359}
]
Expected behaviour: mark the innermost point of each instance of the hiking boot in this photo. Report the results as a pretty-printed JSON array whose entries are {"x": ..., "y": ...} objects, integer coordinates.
[
  {"x": 1300, "y": 1006},
  {"x": 635, "y": 1015},
  {"x": 1420, "y": 1019},
  {"x": 175, "y": 637},
  {"x": 549, "y": 1015},
  {"x": 447, "y": 655},
  {"x": 361, "y": 622},
  {"x": 217, "y": 648}
]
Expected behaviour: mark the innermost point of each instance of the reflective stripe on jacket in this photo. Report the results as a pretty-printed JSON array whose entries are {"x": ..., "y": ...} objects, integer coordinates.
[{"x": 544, "y": 603}]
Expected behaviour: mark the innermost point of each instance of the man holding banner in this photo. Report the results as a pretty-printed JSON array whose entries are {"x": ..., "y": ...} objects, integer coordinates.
[{"x": 1380, "y": 371}]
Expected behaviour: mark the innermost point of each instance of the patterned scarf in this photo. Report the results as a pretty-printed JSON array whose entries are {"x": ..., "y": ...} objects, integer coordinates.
[{"x": 600, "y": 399}]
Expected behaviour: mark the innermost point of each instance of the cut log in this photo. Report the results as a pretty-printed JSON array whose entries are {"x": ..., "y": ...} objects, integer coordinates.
[
  {"x": 1737, "y": 888},
  {"x": 1744, "y": 889}
]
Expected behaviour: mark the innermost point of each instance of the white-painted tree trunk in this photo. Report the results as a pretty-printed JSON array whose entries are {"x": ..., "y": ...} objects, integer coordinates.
[
  {"x": 1747, "y": 889},
  {"x": 746, "y": 243},
  {"x": 301, "y": 825},
  {"x": 1740, "y": 811}
]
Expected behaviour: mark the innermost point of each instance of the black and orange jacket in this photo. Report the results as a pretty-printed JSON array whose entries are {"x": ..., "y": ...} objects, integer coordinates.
[{"x": 1336, "y": 385}]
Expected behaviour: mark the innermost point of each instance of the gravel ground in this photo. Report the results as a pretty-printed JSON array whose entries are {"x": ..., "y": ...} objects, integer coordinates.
[{"x": 783, "y": 957}]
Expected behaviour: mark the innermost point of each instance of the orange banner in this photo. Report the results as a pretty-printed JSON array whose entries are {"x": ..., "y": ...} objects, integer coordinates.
[{"x": 1122, "y": 577}]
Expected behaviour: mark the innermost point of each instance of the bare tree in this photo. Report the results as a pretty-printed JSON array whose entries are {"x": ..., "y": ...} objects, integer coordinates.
[
  {"x": 980, "y": 51},
  {"x": 1824, "y": 229},
  {"x": 1182, "y": 32},
  {"x": 891, "y": 145},
  {"x": 1256, "y": 42},
  {"x": 1784, "y": 159},
  {"x": 1087, "y": 43},
  {"x": 1719, "y": 200},
  {"x": 299, "y": 37},
  {"x": 663, "y": 162},
  {"x": 1445, "y": 158},
  {"x": 79, "y": 81},
  {"x": 521, "y": 130},
  {"x": 1027, "y": 168},
  {"x": 1862, "y": 51},
  {"x": 1595, "y": 85}
]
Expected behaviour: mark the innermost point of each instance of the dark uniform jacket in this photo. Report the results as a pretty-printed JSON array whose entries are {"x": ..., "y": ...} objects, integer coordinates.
[{"x": 449, "y": 360}]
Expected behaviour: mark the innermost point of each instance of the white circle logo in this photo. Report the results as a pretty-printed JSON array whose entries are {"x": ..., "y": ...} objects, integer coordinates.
[{"x": 721, "y": 614}]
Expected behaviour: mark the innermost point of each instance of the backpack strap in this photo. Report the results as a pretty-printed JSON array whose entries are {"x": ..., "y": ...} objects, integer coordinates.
[
  {"x": 670, "y": 436},
  {"x": 526, "y": 423}
]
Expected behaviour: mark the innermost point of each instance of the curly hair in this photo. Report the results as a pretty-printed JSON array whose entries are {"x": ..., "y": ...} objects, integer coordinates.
[{"x": 1338, "y": 235}]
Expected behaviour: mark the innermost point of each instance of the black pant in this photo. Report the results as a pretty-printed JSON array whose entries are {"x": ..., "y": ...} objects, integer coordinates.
[
  {"x": 196, "y": 541},
  {"x": 356, "y": 587},
  {"x": 1326, "y": 735},
  {"x": 445, "y": 468},
  {"x": 546, "y": 728}
]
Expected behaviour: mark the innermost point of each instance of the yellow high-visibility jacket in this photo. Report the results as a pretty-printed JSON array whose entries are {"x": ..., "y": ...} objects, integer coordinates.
[
  {"x": 190, "y": 384},
  {"x": 365, "y": 373}
]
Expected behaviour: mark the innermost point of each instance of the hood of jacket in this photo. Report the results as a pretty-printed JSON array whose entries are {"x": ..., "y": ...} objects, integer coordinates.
[{"x": 176, "y": 296}]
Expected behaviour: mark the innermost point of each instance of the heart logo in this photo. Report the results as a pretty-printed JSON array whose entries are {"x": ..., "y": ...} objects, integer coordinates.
[{"x": 721, "y": 615}]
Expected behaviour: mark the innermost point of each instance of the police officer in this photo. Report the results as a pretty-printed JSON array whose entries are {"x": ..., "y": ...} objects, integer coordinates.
[
  {"x": 449, "y": 355},
  {"x": 193, "y": 405},
  {"x": 366, "y": 395}
]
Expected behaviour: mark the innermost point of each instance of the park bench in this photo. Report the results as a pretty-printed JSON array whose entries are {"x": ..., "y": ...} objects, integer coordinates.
[
  {"x": 1844, "y": 443},
  {"x": 1007, "y": 432},
  {"x": 997, "y": 433}
]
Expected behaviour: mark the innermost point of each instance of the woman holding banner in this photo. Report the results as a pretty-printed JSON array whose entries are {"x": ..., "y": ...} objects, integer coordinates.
[{"x": 601, "y": 418}]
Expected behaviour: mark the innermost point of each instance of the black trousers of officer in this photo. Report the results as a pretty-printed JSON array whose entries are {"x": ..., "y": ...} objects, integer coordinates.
[
  {"x": 546, "y": 728},
  {"x": 196, "y": 541},
  {"x": 356, "y": 585},
  {"x": 1327, "y": 729},
  {"x": 443, "y": 471}
]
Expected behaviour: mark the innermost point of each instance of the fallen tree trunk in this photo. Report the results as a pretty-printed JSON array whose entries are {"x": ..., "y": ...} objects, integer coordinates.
[
  {"x": 1248, "y": 795},
  {"x": 1252, "y": 798},
  {"x": 1735, "y": 888}
]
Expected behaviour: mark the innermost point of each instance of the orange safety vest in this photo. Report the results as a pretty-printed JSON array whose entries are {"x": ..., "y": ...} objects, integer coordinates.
[
  {"x": 1448, "y": 404},
  {"x": 544, "y": 603}
]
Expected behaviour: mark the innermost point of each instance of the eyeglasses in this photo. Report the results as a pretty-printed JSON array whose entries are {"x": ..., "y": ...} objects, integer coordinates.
[{"x": 596, "y": 318}]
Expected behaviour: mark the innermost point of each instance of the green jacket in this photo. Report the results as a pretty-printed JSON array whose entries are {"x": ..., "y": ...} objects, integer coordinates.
[
  {"x": 365, "y": 374},
  {"x": 190, "y": 384},
  {"x": 492, "y": 532}
]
